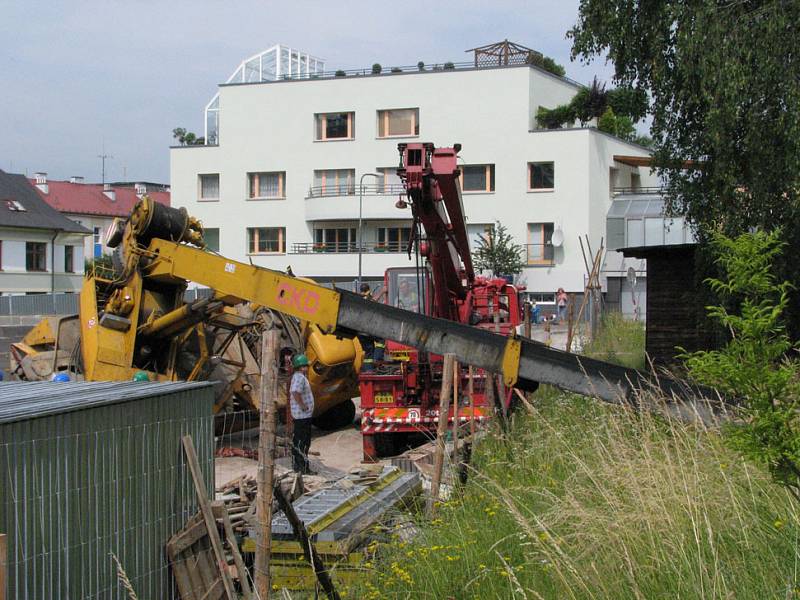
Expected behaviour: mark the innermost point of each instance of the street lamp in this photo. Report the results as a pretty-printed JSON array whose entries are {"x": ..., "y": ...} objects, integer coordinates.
[{"x": 360, "y": 231}]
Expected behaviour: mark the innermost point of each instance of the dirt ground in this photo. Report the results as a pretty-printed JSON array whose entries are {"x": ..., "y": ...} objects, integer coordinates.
[{"x": 334, "y": 453}]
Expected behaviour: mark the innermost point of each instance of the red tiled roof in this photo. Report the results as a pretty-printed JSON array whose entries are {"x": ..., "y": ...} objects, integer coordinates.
[{"x": 89, "y": 199}]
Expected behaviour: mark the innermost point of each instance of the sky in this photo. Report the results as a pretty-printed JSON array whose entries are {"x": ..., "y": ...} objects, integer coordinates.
[{"x": 82, "y": 78}]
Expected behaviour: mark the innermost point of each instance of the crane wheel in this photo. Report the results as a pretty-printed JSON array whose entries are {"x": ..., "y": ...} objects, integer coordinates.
[{"x": 339, "y": 416}]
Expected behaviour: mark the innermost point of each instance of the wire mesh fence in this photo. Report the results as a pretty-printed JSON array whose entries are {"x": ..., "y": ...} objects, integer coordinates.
[{"x": 74, "y": 495}]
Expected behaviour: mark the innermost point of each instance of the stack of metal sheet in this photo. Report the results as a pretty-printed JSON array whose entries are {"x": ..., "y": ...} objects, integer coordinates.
[{"x": 340, "y": 521}]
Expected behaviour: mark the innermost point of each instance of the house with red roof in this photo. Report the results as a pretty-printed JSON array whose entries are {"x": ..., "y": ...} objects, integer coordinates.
[{"x": 95, "y": 206}]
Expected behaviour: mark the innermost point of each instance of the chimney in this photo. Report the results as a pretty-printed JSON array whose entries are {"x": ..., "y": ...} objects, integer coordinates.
[
  {"x": 109, "y": 192},
  {"x": 41, "y": 182},
  {"x": 76, "y": 179},
  {"x": 141, "y": 189}
]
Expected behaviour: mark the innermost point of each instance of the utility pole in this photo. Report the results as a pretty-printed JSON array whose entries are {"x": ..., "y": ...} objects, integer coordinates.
[{"x": 103, "y": 158}]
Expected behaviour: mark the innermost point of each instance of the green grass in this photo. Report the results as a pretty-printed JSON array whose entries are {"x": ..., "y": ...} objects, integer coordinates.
[
  {"x": 585, "y": 500},
  {"x": 619, "y": 341}
]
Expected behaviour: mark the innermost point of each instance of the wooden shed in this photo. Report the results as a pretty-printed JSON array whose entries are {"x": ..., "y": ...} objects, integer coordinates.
[{"x": 675, "y": 318}]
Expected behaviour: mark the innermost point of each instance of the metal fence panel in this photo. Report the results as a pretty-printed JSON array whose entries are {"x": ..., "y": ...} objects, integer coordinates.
[
  {"x": 81, "y": 485},
  {"x": 39, "y": 304}
]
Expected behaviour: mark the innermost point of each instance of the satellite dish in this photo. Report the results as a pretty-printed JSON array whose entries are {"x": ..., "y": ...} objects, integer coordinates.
[
  {"x": 632, "y": 276},
  {"x": 558, "y": 238}
]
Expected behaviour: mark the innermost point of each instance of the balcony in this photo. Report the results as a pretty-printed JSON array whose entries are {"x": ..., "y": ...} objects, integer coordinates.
[
  {"x": 340, "y": 202},
  {"x": 539, "y": 255},
  {"x": 348, "y": 248}
]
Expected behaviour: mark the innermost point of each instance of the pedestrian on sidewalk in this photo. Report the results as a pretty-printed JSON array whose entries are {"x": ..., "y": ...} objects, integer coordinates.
[
  {"x": 302, "y": 406},
  {"x": 561, "y": 302}
]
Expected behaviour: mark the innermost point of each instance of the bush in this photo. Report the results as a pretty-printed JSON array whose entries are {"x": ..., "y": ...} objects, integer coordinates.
[
  {"x": 546, "y": 63},
  {"x": 397, "y": 70},
  {"x": 449, "y": 65},
  {"x": 759, "y": 364},
  {"x": 421, "y": 66},
  {"x": 620, "y": 126},
  {"x": 376, "y": 69},
  {"x": 555, "y": 118},
  {"x": 340, "y": 73}
]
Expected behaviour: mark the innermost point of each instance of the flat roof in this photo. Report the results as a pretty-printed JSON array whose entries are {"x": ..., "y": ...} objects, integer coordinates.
[{"x": 24, "y": 400}]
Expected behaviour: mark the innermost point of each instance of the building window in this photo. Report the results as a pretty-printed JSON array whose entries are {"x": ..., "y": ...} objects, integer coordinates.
[
  {"x": 335, "y": 182},
  {"x": 266, "y": 240},
  {"x": 477, "y": 178},
  {"x": 393, "y": 239},
  {"x": 209, "y": 187},
  {"x": 69, "y": 259},
  {"x": 477, "y": 232},
  {"x": 390, "y": 182},
  {"x": 541, "y": 176},
  {"x": 211, "y": 237},
  {"x": 35, "y": 256},
  {"x": 335, "y": 126},
  {"x": 402, "y": 122},
  {"x": 540, "y": 244},
  {"x": 335, "y": 239},
  {"x": 97, "y": 241},
  {"x": 267, "y": 185}
]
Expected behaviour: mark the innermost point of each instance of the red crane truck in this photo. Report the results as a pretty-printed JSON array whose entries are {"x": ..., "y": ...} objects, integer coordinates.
[{"x": 402, "y": 396}]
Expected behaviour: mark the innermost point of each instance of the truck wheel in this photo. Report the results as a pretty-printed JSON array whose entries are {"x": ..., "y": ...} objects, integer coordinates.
[{"x": 339, "y": 416}]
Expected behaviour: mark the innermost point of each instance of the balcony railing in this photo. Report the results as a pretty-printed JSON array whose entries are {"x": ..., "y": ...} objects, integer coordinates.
[
  {"x": 351, "y": 189},
  {"x": 539, "y": 254},
  {"x": 347, "y": 247}
]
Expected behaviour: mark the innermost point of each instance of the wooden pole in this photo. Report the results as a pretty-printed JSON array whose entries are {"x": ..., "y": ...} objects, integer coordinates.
[
  {"x": 471, "y": 392},
  {"x": 309, "y": 551},
  {"x": 456, "y": 378},
  {"x": 266, "y": 459},
  {"x": 570, "y": 321},
  {"x": 526, "y": 319},
  {"x": 441, "y": 430}
]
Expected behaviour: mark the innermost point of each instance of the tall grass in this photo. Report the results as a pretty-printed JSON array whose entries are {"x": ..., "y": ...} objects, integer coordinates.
[
  {"x": 584, "y": 500},
  {"x": 619, "y": 340}
]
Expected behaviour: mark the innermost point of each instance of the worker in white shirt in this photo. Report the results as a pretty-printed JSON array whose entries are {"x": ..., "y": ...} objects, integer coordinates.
[{"x": 302, "y": 406}]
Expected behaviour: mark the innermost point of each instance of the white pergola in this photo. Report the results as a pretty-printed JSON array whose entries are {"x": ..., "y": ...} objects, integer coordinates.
[{"x": 277, "y": 62}]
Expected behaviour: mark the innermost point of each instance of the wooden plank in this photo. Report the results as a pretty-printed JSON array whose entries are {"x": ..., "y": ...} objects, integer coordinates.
[
  {"x": 221, "y": 513},
  {"x": 208, "y": 515},
  {"x": 188, "y": 536},
  {"x": 217, "y": 590},
  {"x": 310, "y": 553}
]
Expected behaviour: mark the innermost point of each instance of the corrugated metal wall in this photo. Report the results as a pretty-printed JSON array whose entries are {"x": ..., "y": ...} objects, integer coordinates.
[{"x": 81, "y": 485}]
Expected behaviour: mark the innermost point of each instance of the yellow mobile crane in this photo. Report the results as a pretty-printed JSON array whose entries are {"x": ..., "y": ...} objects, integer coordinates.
[{"x": 136, "y": 320}]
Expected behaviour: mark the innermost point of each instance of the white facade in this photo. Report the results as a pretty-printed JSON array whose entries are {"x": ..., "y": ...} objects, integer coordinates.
[
  {"x": 271, "y": 128},
  {"x": 94, "y": 245},
  {"x": 27, "y": 257}
]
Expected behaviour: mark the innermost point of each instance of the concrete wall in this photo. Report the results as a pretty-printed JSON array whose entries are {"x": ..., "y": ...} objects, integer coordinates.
[{"x": 270, "y": 127}]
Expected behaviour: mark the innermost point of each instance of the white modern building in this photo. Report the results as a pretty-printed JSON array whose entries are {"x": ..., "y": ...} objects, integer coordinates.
[{"x": 281, "y": 184}]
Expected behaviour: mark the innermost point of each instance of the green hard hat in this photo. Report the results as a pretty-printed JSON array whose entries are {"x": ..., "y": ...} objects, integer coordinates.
[
  {"x": 299, "y": 360},
  {"x": 141, "y": 376}
]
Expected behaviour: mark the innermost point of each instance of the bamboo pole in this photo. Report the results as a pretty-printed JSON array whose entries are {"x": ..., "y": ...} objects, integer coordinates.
[
  {"x": 266, "y": 459},
  {"x": 441, "y": 430}
]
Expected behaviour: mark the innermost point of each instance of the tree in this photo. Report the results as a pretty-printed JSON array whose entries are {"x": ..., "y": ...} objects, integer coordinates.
[
  {"x": 756, "y": 365},
  {"x": 187, "y": 138},
  {"x": 722, "y": 78},
  {"x": 498, "y": 252}
]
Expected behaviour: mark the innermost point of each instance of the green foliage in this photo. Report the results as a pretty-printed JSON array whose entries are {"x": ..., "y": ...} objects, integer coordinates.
[
  {"x": 555, "y": 118},
  {"x": 620, "y": 126},
  {"x": 498, "y": 252},
  {"x": 449, "y": 65},
  {"x": 722, "y": 79},
  {"x": 421, "y": 66},
  {"x": 546, "y": 63},
  {"x": 186, "y": 138},
  {"x": 586, "y": 501},
  {"x": 757, "y": 365},
  {"x": 376, "y": 69},
  {"x": 626, "y": 105},
  {"x": 339, "y": 73},
  {"x": 619, "y": 340}
]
